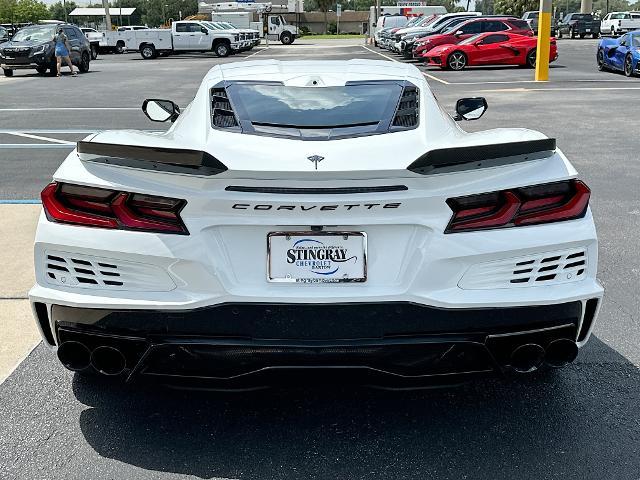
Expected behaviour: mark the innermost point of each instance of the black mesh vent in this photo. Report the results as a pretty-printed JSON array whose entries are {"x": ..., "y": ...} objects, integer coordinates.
[
  {"x": 223, "y": 116},
  {"x": 408, "y": 108}
]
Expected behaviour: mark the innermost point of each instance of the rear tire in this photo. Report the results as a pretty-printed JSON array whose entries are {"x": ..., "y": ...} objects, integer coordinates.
[
  {"x": 42, "y": 70},
  {"x": 148, "y": 52},
  {"x": 582, "y": 35},
  {"x": 613, "y": 31},
  {"x": 531, "y": 58},
  {"x": 7, "y": 72},
  {"x": 559, "y": 33},
  {"x": 94, "y": 52},
  {"x": 120, "y": 47},
  {"x": 572, "y": 33},
  {"x": 456, "y": 60},
  {"x": 84, "y": 63},
  {"x": 595, "y": 35}
]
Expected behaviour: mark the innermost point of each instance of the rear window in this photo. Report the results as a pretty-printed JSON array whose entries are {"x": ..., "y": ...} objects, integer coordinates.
[
  {"x": 315, "y": 107},
  {"x": 582, "y": 16},
  {"x": 520, "y": 24},
  {"x": 321, "y": 112}
]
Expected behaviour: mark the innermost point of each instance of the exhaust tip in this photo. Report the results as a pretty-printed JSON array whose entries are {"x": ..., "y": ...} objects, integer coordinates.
[
  {"x": 108, "y": 360},
  {"x": 527, "y": 358},
  {"x": 561, "y": 352},
  {"x": 74, "y": 355}
]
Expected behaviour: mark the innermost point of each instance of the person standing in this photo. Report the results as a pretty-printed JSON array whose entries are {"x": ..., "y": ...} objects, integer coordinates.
[{"x": 62, "y": 51}]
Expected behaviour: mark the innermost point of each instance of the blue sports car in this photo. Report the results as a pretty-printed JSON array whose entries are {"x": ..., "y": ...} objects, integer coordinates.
[{"x": 622, "y": 53}]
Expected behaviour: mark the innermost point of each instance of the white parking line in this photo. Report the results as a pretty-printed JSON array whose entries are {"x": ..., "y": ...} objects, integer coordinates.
[
  {"x": 256, "y": 53},
  {"x": 56, "y": 109},
  {"x": 398, "y": 61},
  {"x": 561, "y": 89},
  {"x": 38, "y": 137}
]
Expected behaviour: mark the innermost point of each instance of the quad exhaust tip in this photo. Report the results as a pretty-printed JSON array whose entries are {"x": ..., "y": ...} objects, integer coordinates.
[
  {"x": 74, "y": 355},
  {"x": 527, "y": 358},
  {"x": 108, "y": 360},
  {"x": 561, "y": 352}
]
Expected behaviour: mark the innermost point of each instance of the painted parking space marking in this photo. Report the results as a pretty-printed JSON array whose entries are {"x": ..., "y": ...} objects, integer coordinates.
[
  {"x": 432, "y": 77},
  {"x": 38, "y": 137},
  {"x": 62, "y": 109},
  {"x": 560, "y": 89}
]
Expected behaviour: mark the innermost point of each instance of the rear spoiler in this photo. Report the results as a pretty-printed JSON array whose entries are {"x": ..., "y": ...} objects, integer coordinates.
[
  {"x": 175, "y": 160},
  {"x": 482, "y": 156}
]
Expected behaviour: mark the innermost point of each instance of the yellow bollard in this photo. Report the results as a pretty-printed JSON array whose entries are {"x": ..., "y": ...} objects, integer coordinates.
[{"x": 544, "y": 34}]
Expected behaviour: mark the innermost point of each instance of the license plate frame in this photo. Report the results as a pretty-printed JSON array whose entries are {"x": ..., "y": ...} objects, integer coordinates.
[{"x": 312, "y": 235}]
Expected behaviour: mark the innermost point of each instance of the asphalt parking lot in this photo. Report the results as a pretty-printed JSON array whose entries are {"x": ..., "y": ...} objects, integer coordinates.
[{"x": 579, "y": 422}]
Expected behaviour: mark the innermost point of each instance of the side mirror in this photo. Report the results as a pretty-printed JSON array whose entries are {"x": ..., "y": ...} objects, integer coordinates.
[
  {"x": 204, "y": 30},
  {"x": 458, "y": 33},
  {"x": 160, "y": 110},
  {"x": 477, "y": 43},
  {"x": 470, "y": 108}
]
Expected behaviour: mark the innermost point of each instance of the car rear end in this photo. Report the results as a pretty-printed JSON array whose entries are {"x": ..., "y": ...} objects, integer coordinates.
[{"x": 402, "y": 256}]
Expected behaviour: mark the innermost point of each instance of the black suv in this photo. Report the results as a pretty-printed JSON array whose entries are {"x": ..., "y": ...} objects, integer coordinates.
[{"x": 34, "y": 47}]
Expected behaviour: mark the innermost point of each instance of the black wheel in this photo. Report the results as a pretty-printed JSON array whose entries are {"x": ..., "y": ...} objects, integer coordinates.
[
  {"x": 286, "y": 38},
  {"x": 582, "y": 35},
  {"x": 595, "y": 35},
  {"x": 148, "y": 52},
  {"x": 120, "y": 47},
  {"x": 559, "y": 33},
  {"x": 613, "y": 31},
  {"x": 222, "y": 49},
  {"x": 84, "y": 63},
  {"x": 600, "y": 60},
  {"x": 572, "y": 33},
  {"x": 531, "y": 58},
  {"x": 628, "y": 66},
  {"x": 42, "y": 70},
  {"x": 457, "y": 60},
  {"x": 7, "y": 72},
  {"x": 94, "y": 52}
]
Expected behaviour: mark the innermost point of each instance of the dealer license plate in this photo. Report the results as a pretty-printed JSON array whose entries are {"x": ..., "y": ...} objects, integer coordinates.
[
  {"x": 588, "y": 30},
  {"x": 317, "y": 257}
]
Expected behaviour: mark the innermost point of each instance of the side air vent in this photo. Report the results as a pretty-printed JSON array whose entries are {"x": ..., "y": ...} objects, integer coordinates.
[
  {"x": 408, "y": 109},
  {"x": 84, "y": 271},
  {"x": 222, "y": 111},
  {"x": 542, "y": 269}
]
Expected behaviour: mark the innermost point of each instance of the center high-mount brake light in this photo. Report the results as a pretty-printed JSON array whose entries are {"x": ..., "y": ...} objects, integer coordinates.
[
  {"x": 99, "y": 207},
  {"x": 516, "y": 207}
]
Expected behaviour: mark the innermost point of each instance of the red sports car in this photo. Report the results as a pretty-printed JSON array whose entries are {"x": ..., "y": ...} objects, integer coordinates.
[
  {"x": 489, "y": 49},
  {"x": 471, "y": 27}
]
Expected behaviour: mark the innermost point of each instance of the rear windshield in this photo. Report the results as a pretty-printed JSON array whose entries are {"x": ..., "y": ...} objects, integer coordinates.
[
  {"x": 35, "y": 34},
  {"x": 315, "y": 107},
  {"x": 582, "y": 16}
]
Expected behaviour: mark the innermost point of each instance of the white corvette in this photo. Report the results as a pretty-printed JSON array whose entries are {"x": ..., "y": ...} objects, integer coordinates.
[{"x": 315, "y": 215}]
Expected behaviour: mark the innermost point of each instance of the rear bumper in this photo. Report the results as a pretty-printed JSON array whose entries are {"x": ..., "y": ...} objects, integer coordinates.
[{"x": 385, "y": 343}]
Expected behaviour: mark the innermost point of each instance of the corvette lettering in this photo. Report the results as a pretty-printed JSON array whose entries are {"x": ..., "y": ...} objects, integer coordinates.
[{"x": 306, "y": 208}]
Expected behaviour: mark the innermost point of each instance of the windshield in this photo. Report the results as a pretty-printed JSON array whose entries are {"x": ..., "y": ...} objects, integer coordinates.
[
  {"x": 35, "y": 34},
  {"x": 471, "y": 39},
  {"x": 582, "y": 16},
  {"x": 276, "y": 105},
  {"x": 636, "y": 40}
]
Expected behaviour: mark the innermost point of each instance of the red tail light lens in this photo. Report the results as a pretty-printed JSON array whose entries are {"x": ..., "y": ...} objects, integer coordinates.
[
  {"x": 547, "y": 203},
  {"x": 99, "y": 207}
]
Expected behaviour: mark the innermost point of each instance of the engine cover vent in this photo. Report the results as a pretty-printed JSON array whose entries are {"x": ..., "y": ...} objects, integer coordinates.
[
  {"x": 408, "y": 109},
  {"x": 541, "y": 269},
  {"x": 222, "y": 112},
  {"x": 84, "y": 271}
]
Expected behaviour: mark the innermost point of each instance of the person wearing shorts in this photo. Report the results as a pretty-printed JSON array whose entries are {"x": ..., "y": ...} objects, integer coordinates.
[{"x": 62, "y": 51}]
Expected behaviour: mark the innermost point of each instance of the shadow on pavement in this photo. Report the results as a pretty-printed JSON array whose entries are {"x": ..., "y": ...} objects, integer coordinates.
[{"x": 579, "y": 422}]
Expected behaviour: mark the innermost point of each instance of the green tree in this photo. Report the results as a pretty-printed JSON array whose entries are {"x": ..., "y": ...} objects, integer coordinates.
[
  {"x": 56, "y": 10},
  {"x": 30, "y": 11},
  {"x": 515, "y": 7},
  {"x": 7, "y": 11},
  {"x": 324, "y": 6}
]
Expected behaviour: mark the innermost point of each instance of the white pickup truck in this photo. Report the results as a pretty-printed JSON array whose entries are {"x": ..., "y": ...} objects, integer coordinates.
[
  {"x": 184, "y": 36},
  {"x": 617, "y": 23}
]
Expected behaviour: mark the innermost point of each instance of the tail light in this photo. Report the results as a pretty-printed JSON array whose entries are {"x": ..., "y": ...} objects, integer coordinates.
[
  {"x": 99, "y": 207},
  {"x": 547, "y": 203}
]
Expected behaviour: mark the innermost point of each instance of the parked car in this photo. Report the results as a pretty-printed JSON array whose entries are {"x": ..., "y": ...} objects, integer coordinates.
[
  {"x": 472, "y": 27},
  {"x": 532, "y": 19},
  {"x": 384, "y": 36},
  {"x": 248, "y": 239},
  {"x": 578, "y": 24},
  {"x": 250, "y": 36},
  {"x": 94, "y": 38},
  {"x": 502, "y": 48},
  {"x": 620, "y": 54},
  {"x": 387, "y": 22},
  {"x": 617, "y": 23},
  {"x": 33, "y": 47}
]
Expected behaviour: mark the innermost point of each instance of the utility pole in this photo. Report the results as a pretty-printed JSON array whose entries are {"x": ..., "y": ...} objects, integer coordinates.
[
  {"x": 544, "y": 34},
  {"x": 586, "y": 6},
  {"x": 64, "y": 7},
  {"x": 107, "y": 15}
]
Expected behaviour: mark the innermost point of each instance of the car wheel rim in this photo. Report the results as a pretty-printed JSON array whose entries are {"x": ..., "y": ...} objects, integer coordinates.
[
  {"x": 457, "y": 61},
  {"x": 147, "y": 52},
  {"x": 627, "y": 66},
  {"x": 600, "y": 59}
]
